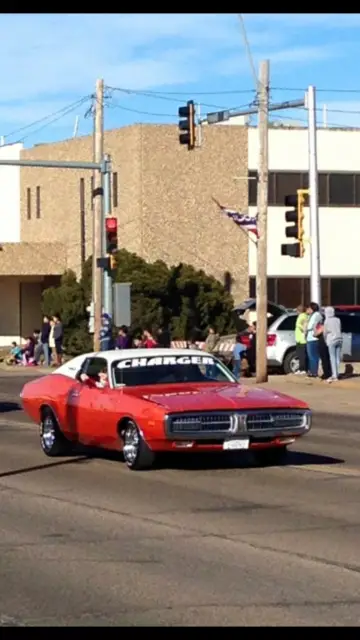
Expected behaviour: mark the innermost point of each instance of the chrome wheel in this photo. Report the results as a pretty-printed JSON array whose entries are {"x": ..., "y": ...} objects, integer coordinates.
[
  {"x": 131, "y": 444},
  {"x": 48, "y": 433},
  {"x": 53, "y": 442},
  {"x": 137, "y": 454},
  {"x": 294, "y": 365}
]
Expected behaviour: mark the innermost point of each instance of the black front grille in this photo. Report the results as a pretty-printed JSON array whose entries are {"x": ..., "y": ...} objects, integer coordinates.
[
  {"x": 200, "y": 423},
  {"x": 274, "y": 420},
  {"x": 231, "y": 423}
]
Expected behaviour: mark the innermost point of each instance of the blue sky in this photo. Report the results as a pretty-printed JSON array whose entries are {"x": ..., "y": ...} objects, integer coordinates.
[{"x": 48, "y": 62}]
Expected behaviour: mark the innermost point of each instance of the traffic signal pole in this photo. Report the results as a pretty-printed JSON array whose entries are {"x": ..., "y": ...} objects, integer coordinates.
[
  {"x": 98, "y": 226},
  {"x": 315, "y": 274},
  {"x": 262, "y": 206},
  {"x": 107, "y": 279}
]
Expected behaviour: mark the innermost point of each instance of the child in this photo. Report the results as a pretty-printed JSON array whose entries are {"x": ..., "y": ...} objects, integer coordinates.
[{"x": 15, "y": 356}]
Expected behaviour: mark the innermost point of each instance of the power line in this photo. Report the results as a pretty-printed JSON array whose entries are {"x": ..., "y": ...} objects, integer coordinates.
[
  {"x": 43, "y": 119},
  {"x": 318, "y": 90},
  {"x": 248, "y": 51},
  {"x": 305, "y": 121},
  {"x": 164, "y": 96},
  {"x": 59, "y": 117}
]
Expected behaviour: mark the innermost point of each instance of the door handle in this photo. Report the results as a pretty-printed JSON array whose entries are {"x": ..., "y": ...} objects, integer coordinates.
[{"x": 74, "y": 394}]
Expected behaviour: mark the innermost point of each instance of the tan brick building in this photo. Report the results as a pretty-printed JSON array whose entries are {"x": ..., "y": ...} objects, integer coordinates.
[{"x": 164, "y": 203}]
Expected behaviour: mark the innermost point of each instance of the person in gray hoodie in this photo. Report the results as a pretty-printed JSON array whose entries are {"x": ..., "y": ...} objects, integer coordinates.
[{"x": 333, "y": 338}]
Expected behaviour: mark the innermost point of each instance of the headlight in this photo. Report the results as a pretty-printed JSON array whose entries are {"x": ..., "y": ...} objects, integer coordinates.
[{"x": 307, "y": 420}]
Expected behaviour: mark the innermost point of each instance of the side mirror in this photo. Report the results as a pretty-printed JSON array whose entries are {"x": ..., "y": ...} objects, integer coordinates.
[{"x": 77, "y": 376}]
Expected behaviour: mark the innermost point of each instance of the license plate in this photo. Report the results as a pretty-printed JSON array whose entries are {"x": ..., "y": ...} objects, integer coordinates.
[{"x": 236, "y": 444}]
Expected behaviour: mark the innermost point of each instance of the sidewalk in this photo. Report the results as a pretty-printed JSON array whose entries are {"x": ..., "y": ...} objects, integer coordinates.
[{"x": 339, "y": 397}]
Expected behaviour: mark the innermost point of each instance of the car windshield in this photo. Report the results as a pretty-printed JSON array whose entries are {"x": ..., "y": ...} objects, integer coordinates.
[{"x": 152, "y": 370}]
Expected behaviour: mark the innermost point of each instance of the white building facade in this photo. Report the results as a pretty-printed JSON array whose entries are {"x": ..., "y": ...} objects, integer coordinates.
[{"x": 339, "y": 213}]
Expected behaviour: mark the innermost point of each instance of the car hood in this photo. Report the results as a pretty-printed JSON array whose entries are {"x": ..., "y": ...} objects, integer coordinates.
[{"x": 208, "y": 397}]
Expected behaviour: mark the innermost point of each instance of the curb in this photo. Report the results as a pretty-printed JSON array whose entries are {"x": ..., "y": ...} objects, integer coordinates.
[{"x": 340, "y": 384}]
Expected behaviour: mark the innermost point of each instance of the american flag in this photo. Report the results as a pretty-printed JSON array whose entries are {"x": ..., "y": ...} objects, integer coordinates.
[{"x": 242, "y": 219}]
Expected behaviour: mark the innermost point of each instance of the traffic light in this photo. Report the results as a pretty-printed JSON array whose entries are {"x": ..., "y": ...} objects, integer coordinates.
[
  {"x": 187, "y": 126},
  {"x": 295, "y": 217},
  {"x": 113, "y": 262},
  {"x": 111, "y": 235}
]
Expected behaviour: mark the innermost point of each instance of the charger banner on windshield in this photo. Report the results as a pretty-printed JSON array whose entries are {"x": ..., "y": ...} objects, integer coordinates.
[{"x": 157, "y": 361}]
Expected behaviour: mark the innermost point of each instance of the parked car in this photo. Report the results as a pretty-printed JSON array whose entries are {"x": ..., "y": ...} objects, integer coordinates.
[
  {"x": 281, "y": 345},
  {"x": 160, "y": 401}
]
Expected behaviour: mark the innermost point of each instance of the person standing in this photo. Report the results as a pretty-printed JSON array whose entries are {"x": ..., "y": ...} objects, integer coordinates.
[
  {"x": 51, "y": 339},
  {"x": 148, "y": 340},
  {"x": 332, "y": 333},
  {"x": 300, "y": 338},
  {"x": 211, "y": 340},
  {"x": 44, "y": 342},
  {"x": 58, "y": 338},
  {"x": 323, "y": 350},
  {"x": 238, "y": 350},
  {"x": 105, "y": 335},
  {"x": 123, "y": 341},
  {"x": 163, "y": 338},
  {"x": 312, "y": 341}
]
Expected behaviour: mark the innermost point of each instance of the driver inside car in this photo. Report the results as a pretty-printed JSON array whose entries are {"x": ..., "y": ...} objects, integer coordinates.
[{"x": 101, "y": 383}]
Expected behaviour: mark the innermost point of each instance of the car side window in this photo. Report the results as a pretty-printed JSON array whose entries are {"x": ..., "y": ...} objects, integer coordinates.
[
  {"x": 288, "y": 324},
  {"x": 349, "y": 324},
  {"x": 94, "y": 366}
]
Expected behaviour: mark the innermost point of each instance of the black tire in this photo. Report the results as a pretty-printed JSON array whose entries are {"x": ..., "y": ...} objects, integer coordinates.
[
  {"x": 270, "y": 457},
  {"x": 291, "y": 362},
  {"x": 53, "y": 442},
  {"x": 137, "y": 455}
]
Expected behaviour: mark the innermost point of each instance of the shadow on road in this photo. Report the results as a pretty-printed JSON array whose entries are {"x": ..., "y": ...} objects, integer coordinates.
[
  {"x": 40, "y": 467},
  {"x": 208, "y": 461},
  {"x": 217, "y": 461},
  {"x": 7, "y": 407},
  {"x": 300, "y": 458}
]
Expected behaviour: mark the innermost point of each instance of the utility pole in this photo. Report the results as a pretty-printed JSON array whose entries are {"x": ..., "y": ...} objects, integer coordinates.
[
  {"x": 315, "y": 275},
  {"x": 98, "y": 212},
  {"x": 107, "y": 278},
  {"x": 262, "y": 207}
]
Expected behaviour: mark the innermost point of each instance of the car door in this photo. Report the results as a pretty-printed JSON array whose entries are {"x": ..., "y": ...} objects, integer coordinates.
[
  {"x": 96, "y": 406},
  {"x": 80, "y": 401}
]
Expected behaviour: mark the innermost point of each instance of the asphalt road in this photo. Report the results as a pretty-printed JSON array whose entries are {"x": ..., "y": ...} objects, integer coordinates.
[{"x": 84, "y": 541}]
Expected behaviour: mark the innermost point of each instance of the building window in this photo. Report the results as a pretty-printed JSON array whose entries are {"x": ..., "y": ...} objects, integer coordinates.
[
  {"x": 325, "y": 291},
  {"x": 82, "y": 194},
  {"x": 323, "y": 189},
  {"x": 342, "y": 291},
  {"x": 28, "y": 203},
  {"x": 271, "y": 289},
  {"x": 38, "y": 204},
  {"x": 286, "y": 184},
  {"x": 92, "y": 185},
  {"x": 342, "y": 189},
  {"x": 115, "y": 190},
  {"x": 304, "y": 178}
]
